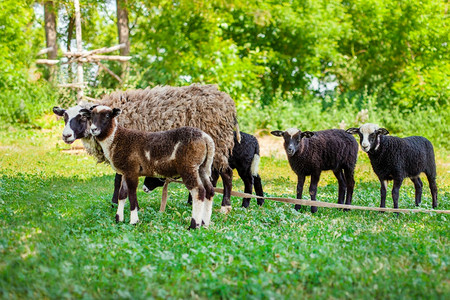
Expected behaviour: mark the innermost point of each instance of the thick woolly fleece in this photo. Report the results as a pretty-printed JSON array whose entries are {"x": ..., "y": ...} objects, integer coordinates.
[{"x": 166, "y": 107}]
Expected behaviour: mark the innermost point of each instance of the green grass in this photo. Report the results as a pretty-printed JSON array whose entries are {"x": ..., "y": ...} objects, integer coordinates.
[{"x": 58, "y": 237}]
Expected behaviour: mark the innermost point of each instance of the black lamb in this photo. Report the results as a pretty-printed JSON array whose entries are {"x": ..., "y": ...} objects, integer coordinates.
[
  {"x": 310, "y": 153},
  {"x": 395, "y": 158},
  {"x": 244, "y": 158}
]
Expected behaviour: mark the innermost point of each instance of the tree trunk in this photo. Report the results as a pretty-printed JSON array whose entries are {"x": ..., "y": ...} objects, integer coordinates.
[
  {"x": 123, "y": 30},
  {"x": 50, "y": 33}
]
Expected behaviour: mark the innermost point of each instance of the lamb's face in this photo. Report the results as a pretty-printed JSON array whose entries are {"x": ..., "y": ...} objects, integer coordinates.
[
  {"x": 103, "y": 120},
  {"x": 77, "y": 125},
  {"x": 369, "y": 136},
  {"x": 292, "y": 138}
]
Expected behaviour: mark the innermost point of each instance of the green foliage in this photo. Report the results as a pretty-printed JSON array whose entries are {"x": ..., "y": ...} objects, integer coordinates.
[
  {"x": 260, "y": 52},
  {"x": 400, "y": 47},
  {"x": 58, "y": 237},
  {"x": 22, "y": 97},
  {"x": 314, "y": 113}
]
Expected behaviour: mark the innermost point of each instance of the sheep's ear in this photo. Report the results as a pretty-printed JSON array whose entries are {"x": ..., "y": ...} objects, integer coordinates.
[
  {"x": 116, "y": 112},
  {"x": 382, "y": 131},
  {"x": 352, "y": 130},
  {"x": 85, "y": 113},
  {"x": 277, "y": 133},
  {"x": 307, "y": 134},
  {"x": 59, "y": 111}
]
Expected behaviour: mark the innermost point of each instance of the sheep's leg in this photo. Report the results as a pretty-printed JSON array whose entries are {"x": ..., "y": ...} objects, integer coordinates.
[
  {"x": 247, "y": 178},
  {"x": 418, "y": 187},
  {"x": 396, "y": 191},
  {"x": 123, "y": 191},
  {"x": 132, "y": 184},
  {"x": 227, "y": 178},
  {"x": 117, "y": 183},
  {"x": 313, "y": 190},
  {"x": 300, "y": 183},
  {"x": 193, "y": 183},
  {"x": 341, "y": 183},
  {"x": 119, "y": 213},
  {"x": 258, "y": 189},
  {"x": 433, "y": 189},
  {"x": 198, "y": 197},
  {"x": 213, "y": 181},
  {"x": 214, "y": 177},
  {"x": 350, "y": 181},
  {"x": 383, "y": 191},
  {"x": 207, "y": 211}
]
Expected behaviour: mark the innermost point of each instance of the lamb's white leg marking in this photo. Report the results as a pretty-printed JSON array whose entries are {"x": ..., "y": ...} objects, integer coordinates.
[
  {"x": 119, "y": 214},
  {"x": 134, "y": 218},
  {"x": 385, "y": 183},
  {"x": 208, "y": 204},
  {"x": 197, "y": 207}
]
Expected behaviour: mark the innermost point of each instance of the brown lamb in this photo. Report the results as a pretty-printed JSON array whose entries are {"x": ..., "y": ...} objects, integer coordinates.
[{"x": 187, "y": 152}]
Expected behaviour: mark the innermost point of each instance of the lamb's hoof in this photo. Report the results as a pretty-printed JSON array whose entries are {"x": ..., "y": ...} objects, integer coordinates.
[
  {"x": 246, "y": 203},
  {"x": 145, "y": 189},
  {"x": 225, "y": 209},
  {"x": 118, "y": 219},
  {"x": 134, "y": 222},
  {"x": 313, "y": 209},
  {"x": 193, "y": 224}
]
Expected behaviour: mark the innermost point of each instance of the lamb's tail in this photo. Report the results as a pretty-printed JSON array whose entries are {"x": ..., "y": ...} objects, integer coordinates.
[
  {"x": 238, "y": 132},
  {"x": 210, "y": 152},
  {"x": 255, "y": 165}
]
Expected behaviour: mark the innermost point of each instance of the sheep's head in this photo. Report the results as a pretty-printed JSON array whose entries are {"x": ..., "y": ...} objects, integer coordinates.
[
  {"x": 292, "y": 138},
  {"x": 369, "y": 136},
  {"x": 77, "y": 125},
  {"x": 103, "y": 119}
]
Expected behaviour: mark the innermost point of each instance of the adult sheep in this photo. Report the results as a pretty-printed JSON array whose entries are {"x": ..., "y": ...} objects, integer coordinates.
[{"x": 164, "y": 108}]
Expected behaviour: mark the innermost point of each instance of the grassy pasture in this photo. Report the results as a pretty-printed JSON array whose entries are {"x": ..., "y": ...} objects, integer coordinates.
[{"x": 58, "y": 237}]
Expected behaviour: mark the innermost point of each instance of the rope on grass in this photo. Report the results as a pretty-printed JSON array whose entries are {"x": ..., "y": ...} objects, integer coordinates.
[{"x": 315, "y": 203}]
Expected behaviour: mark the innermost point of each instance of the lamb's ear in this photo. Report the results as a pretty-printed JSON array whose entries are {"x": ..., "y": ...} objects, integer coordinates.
[
  {"x": 116, "y": 112},
  {"x": 307, "y": 134},
  {"x": 277, "y": 133},
  {"x": 352, "y": 130},
  {"x": 59, "y": 111},
  {"x": 382, "y": 131},
  {"x": 85, "y": 113},
  {"x": 92, "y": 107}
]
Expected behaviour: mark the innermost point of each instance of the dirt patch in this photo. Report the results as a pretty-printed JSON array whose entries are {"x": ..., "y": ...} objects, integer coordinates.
[
  {"x": 270, "y": 146},
  {"x": 76, "y": 148}
]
